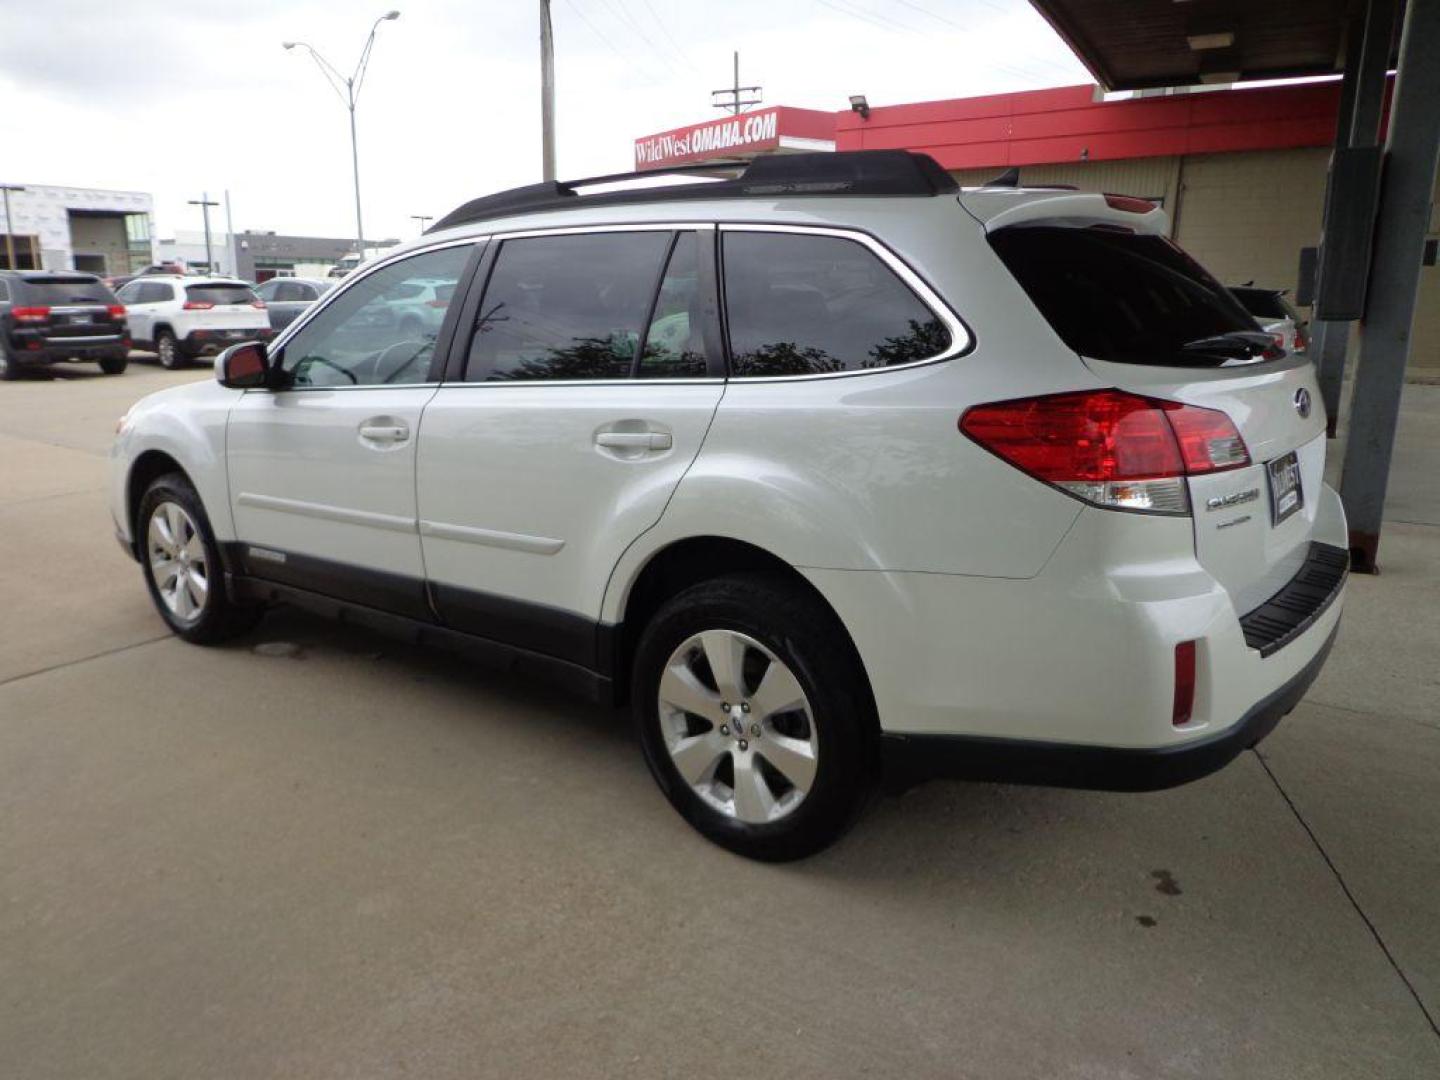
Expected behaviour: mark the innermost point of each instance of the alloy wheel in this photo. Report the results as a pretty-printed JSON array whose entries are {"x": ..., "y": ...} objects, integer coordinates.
[
  {"x": 738, "y": 726},
  {"x": 178, "y": 566}
]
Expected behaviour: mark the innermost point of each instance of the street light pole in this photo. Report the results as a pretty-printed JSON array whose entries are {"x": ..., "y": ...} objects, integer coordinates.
[
  {"x": 9, "y": 239},
  {"x": 348, "y": 87},
  {"x": 547, "y": 94},
  {"x": 205, "y": 202},
  {"x": 422, "y": 219}
]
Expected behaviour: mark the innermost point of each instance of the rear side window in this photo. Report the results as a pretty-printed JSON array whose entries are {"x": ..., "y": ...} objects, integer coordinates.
[
  {"x": 566, "y": 307},
  {"x": 57, "y": 292},
  {"x": 800, "y": 304},
  {"x": 219, "y": 294},
  {"x": 1125, "y": 297}
]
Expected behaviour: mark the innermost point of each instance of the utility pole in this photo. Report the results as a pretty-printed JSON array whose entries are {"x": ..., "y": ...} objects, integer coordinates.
[
  {"x": 422, "y": 219},
  {"x": 547, "y": 94},
  {"x": 9, "y": 239},
  {"x": 735, "y": 105},
  {"x": 230, "y": 238},
  {"x": 205, "y": 202},
  {"x": 348, "y": 87}
]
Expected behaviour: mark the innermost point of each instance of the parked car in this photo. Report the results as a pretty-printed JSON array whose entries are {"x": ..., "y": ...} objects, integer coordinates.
[
  {"x": 1276, "y": 315},
  {"x": 48, "y": 317},
  {"x": 344, "y": 265},
  {"x": 181, "y": 318},
  {"x": 121, "y": 280},
  {"x": 287, "y": 297},
  {"x": 837, "y": 473}
]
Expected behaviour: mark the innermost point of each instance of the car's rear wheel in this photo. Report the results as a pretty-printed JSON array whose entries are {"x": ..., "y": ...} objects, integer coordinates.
[
  {"x": 754, "y": 717},
  {"x": 168, "y": 350},
  {"x": 8, "y": 368},
  {"x": 114, "y": 365},
  {"x": 182, "y": 565}
]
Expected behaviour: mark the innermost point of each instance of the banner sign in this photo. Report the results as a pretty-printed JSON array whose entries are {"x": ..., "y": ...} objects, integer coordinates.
[{"x": 738, "y": 136}]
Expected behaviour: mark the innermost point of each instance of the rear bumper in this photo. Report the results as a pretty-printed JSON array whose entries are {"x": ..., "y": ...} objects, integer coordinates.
[
  {"x": 208, "y": 342},
  {"x": 907, "y": 760},
  {"x": 54, "y": 350}
]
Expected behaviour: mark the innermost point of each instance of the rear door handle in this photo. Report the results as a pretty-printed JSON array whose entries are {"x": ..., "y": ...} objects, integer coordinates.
[
  {"x": 386, "y": 433},
  {"x": 635, "y": 440}
]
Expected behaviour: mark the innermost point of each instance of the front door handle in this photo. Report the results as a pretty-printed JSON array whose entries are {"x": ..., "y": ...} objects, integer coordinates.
[
  {"x": 634, "y": 440},
  {"x": 384, "y": 432}
]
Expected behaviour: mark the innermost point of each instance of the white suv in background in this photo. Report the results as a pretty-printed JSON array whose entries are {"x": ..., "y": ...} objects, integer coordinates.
[
  {"x": 839, "y": 474},
  {"x": 180, "y": 318}
]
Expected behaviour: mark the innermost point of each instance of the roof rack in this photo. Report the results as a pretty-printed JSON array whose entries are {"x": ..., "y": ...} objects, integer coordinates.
[{"x": 850, "y": 172}]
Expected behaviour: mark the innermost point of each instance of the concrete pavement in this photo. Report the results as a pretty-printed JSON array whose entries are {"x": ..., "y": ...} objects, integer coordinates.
[{"x": 363, "y": 861}]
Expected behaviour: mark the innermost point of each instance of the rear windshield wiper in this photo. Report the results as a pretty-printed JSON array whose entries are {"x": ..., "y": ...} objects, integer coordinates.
[{"x": 1243, "y": 345}]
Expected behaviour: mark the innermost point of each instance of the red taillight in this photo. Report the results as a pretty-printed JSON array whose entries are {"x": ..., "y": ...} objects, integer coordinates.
[
  {"x": 1184, "y": 683},
  {"x": 258, "y": 304},
  {"x": 30, "y": 314},
  {"x": 116, "y": 311},
  {"x": 1110, "y": 447},
  {"x": 197, "y": 305},
  {"x": 1129, "y": 203}
]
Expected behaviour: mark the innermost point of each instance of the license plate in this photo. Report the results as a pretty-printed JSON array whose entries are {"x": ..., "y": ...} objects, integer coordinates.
[
  {"x": 1286, "y": 494},
  {"x": 79, "y": 319}
]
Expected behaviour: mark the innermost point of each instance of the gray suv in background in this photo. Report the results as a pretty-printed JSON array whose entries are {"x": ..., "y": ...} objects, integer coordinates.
[{"x": 286, "y": 298}]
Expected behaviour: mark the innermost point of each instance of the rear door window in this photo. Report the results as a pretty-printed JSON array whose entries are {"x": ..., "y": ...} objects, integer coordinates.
[
  {"x": 566, "y": 307},
  {"x": 1128, "y": 298},
  {"x": 219, "y": 294},
  {"x": 801, "y": 304}
]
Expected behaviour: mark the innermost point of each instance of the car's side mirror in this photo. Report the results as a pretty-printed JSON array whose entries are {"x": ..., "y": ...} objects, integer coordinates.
[{"x": 244, "y": 367}]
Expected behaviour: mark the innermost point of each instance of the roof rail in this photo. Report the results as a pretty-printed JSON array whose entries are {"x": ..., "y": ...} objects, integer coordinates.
[{"x": 850, "y": 172}]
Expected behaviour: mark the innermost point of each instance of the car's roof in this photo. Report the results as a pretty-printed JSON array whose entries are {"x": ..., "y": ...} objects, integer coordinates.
[
  {"x": 75, "y": 276},
  {"x": 195, "y": 279}
]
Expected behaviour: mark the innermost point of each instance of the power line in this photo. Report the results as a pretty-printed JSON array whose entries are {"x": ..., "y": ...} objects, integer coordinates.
[
  {"x": 609, "y": 44},
  {"x": 671, "y": 37}
]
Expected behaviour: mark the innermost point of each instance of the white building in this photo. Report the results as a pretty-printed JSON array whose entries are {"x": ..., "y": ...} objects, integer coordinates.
[{"x": 75, "y": 228}]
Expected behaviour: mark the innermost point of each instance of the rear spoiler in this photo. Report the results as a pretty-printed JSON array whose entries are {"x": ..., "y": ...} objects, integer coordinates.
[{"x": 1003, "y": 208}]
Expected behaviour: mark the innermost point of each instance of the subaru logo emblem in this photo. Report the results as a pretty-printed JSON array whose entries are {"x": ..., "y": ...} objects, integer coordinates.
[{"x": 1302, "y": 402}]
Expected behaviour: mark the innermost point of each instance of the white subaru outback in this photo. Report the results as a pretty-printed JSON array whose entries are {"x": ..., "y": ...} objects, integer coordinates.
[{"x": 839, "y": 474}]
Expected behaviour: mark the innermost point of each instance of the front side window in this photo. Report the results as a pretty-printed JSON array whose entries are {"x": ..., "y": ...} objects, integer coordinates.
[
  {"x": 380, "y": 331},
  {"x": 566, "y": 307},
  {"x": 801, "y": 304}
]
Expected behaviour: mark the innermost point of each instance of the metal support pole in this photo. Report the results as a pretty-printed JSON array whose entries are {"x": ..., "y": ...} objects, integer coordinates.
[
  {"x": 6, "y": 189},
  {"x": 355, "y": 166},
  {"x": 1412, "y": 160},
  {"x": 1362, "y": 99},
  {"x": 230, "y": 238},
  {"x": 547, "y": 94}
]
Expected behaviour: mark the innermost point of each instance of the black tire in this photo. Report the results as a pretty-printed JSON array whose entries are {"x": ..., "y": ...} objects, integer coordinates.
[
  {"x": 114, "y": 365},
  {"x": 801, "y": 631},
  {"x": 218, "y": 618},
  {"x": 9, "y": 370},
  {"x": 167, "y": 349}
]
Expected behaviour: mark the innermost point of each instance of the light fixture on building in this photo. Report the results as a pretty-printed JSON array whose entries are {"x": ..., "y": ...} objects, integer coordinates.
[
  {"x": 858, "y": 104},
  {"x": 1220, "y": 39}
]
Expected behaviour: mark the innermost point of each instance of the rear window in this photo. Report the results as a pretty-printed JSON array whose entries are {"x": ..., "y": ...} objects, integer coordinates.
[
  {"x": 57, "y": 292},
  {"x": 1128, "y": 298},
  {"x": 220, "y": 294},
  {"x": 1262, "y": 303}
]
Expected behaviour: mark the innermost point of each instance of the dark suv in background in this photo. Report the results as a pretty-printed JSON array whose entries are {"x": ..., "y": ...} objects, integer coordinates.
[{"x": 46, "y": 317}]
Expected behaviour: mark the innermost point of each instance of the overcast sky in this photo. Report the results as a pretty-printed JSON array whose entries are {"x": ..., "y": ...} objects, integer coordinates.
[{"x": 176, "y": 97}]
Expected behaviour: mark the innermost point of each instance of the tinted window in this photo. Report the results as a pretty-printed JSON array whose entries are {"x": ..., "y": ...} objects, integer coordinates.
[
  {"x": 1126, "y": 297},
  {"x": 57, "y": 292},
  {"x": 287, "y": 292},
  {"x": 674, "y": 348},
  {"x": 806, "y": 305},
  {"x": 153, "y": 292},
  {"x": 377, "y": 332},
  {"x": 266, "y": 290},
  {"x": 219, "y": 294},
  {"x": 566, "y": 307}
]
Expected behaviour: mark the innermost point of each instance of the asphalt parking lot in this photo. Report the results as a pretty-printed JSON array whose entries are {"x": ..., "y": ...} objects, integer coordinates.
[{"x": 317, "y": 853}]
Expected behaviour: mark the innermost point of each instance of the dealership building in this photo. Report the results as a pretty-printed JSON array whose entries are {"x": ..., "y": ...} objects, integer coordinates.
[
  {"x": 1241, "y": 171},
  {"x": 76, "y": 228}
]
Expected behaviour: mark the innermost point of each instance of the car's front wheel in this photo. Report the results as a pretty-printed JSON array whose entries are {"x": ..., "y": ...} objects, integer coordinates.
[
  {"x": 182, "y": 565},
  {"x": 754, "y": 716},
  {"x": 168, "y": 350}
]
